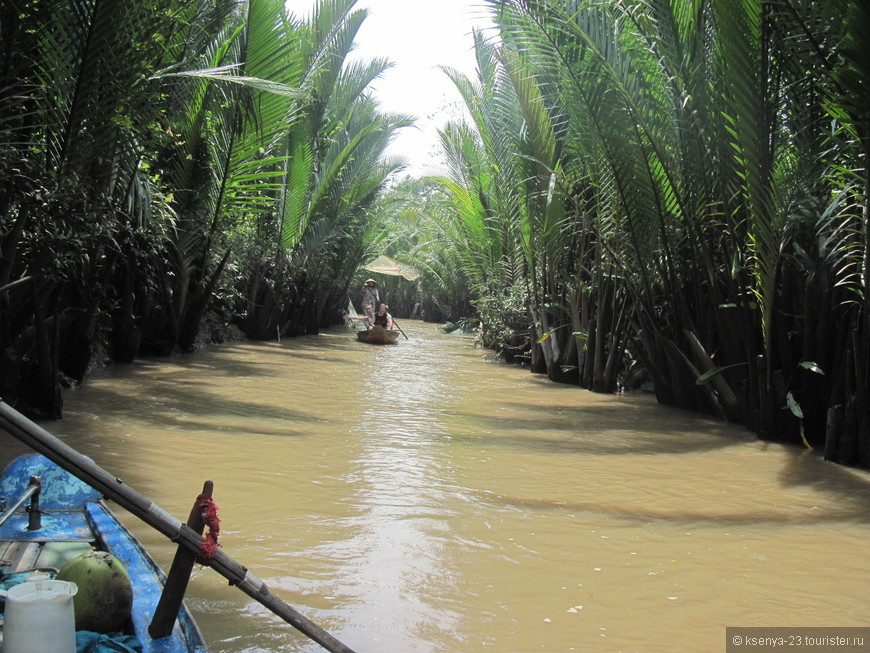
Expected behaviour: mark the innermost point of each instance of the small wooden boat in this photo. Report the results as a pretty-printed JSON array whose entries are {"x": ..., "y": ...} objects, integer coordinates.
[
  {"x": 378, "y": 335},
  {"x": 74, "y": 519}
]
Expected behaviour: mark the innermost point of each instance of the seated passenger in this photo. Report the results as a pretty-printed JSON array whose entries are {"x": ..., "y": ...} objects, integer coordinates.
[{"x": 383, "y": 318}]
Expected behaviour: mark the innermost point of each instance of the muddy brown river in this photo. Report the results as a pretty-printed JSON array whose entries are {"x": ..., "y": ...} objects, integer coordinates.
[{"x": 421, "y": 498}]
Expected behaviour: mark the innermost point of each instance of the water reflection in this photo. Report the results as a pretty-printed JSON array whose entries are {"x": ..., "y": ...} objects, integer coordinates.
[
  {"x": 399, "y": 498},
  {"x": 418, "y": 498}
]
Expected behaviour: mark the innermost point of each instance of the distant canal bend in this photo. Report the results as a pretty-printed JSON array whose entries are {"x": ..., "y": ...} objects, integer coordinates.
[{"x": 420, "y": 499}]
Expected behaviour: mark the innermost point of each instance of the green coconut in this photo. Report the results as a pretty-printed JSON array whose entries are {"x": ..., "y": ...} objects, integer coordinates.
[{"x": 105, "y": 596}]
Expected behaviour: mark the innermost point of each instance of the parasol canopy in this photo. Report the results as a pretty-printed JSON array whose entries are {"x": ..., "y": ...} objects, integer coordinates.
[{"x": 386, "y": 265}]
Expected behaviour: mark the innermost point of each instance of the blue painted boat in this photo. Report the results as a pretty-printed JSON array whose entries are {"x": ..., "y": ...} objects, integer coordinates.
[{"x": 75, "y": 519}]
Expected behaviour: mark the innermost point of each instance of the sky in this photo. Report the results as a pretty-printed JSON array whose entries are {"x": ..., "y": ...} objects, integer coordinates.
[{"x": 418, "y": 36}]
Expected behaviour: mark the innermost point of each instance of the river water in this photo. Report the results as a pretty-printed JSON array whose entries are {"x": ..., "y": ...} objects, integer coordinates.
[{"x": 420, "y": 498}]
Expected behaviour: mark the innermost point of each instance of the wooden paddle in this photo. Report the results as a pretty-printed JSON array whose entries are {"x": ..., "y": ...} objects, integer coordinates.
[
  {"x": 115, "y": 489},
  {"x": 396, "y": 324}
]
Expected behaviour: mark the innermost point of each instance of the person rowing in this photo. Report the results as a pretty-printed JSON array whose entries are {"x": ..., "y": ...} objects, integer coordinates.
[{"x": 370, "y": 300}]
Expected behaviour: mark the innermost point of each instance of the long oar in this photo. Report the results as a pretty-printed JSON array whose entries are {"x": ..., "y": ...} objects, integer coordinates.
[
  {"x": 114, "y": 488},
  {"x": 396, "y": 324}
]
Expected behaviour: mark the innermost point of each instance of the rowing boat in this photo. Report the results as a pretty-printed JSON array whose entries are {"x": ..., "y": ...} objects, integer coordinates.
[
  {"x": 75, "y": 519},
  {"x": 378, "y": 335}
]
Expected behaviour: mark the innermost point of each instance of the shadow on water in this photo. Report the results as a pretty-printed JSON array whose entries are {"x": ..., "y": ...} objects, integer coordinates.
[
  {"x": 603, "y": 430},
  {"x": 849, "y": 487},
  {"x": 230, "y": 361},
  {"x": 217, "y": 363},
  {"x": 637, "y": 516},
  {"x": 177, "y": 392},
  {"x": 191, "y": 409}
]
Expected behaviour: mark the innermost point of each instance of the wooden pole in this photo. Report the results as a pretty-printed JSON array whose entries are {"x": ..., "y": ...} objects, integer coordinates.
[
  {"x": 178, "y": 577},
  {"x": 396, "y": 324},
  {"x": 115, "y": 489}
]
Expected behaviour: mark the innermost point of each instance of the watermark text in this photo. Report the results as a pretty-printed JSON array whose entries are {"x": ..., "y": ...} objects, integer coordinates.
[{"x": 804, "y": 639}]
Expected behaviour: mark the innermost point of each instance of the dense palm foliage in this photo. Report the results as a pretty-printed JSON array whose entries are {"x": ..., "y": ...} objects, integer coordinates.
[
  {"x": 664, "y": 189},
  {"x": 677, "y": 185},
  {"x": 165, "y": 159}
]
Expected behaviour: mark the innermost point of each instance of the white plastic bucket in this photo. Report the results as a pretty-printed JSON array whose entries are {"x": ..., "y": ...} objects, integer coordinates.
[{"x": 40, "y": 618}]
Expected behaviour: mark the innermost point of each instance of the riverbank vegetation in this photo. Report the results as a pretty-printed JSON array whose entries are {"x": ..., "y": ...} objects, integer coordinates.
[
  {"x": 677, "y": 187},
  {"x": 169, "y": 168},
  {"x": 669, "y": 191}
]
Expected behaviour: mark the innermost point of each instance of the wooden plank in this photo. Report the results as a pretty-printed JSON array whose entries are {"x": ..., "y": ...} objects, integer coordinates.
[{"x": 21, "y": 556}]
